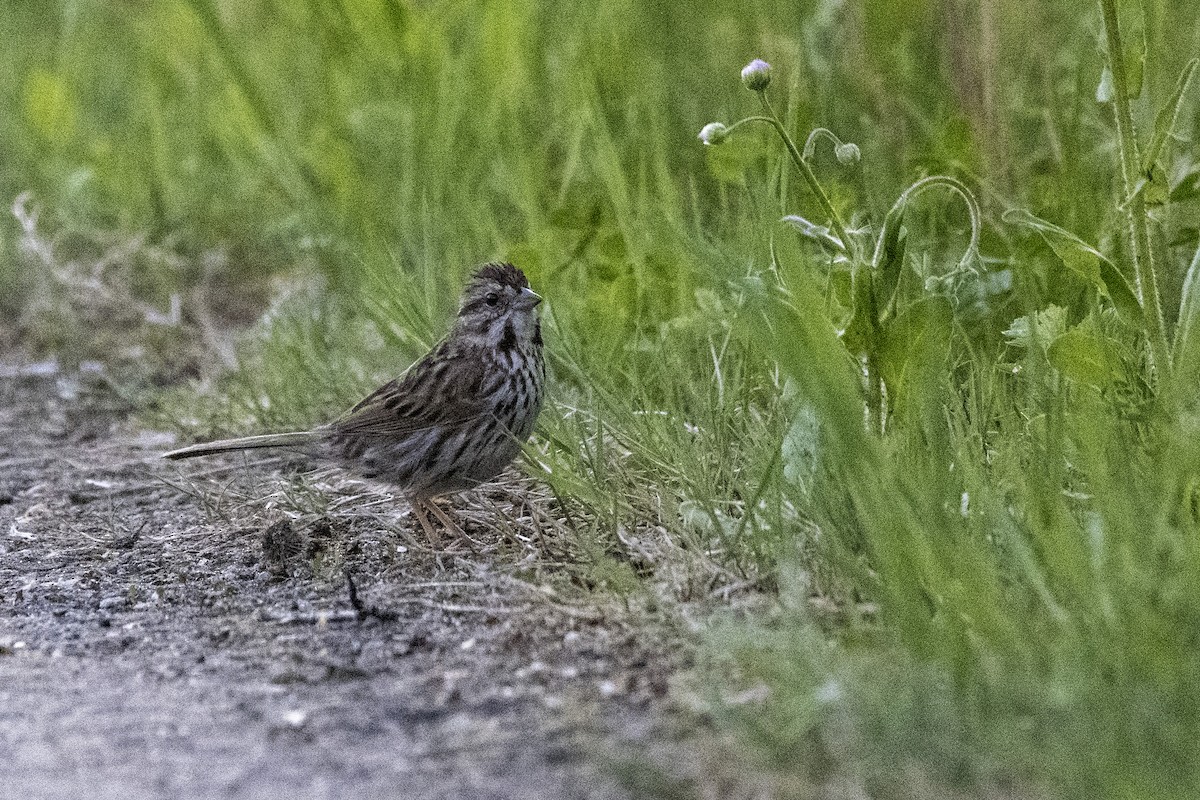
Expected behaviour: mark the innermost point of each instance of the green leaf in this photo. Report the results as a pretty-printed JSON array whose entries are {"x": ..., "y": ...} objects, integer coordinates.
[
  {"x": 1038, "y": 329},
  {"x": 807, "y": 349},
  {"x": 1085, "y": 358},
  {"x": 1076, "y": 254},
  {"x": 841, "y": 286},
  {"x": 818, "y": 233},
  {"x": 1164, "y": 120},
  {"x": 1158, "y": 187},
  {"x": 861, "y": 331},
  {"x": 801, "y": 447},
  {"x": 1187, "y": 187},
  {"x": 888, "y": 260},
  {"x": 1187, "y": 340},
  {"x": 912, "y": 356},
  {"x": 1085, "y": 261},
  {"x": 1118, "y": 290}
]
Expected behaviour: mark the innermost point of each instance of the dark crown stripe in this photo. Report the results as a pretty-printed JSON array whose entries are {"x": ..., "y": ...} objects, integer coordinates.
[{"x": 504, "y": 274}]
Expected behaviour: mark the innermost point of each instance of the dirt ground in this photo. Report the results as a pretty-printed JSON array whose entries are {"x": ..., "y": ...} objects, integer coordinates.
[{"x": 231, "y": 628}]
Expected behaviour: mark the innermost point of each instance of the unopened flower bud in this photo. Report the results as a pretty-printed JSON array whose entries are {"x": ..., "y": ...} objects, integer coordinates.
[
  {"x": 847, "y": 153},
  {"x": 713, "y": 133},
  {"x": 756, "y": 75}
]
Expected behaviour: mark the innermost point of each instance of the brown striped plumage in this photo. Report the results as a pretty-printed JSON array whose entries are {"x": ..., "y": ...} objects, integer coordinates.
[{"x": 456, "y": 417}]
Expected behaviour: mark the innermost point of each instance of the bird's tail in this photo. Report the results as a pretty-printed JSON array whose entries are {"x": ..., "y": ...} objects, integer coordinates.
[{"x": 294, "y": 439}]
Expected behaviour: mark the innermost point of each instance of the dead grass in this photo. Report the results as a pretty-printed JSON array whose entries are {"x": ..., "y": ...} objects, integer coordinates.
[{"x": 548, "y": 549}]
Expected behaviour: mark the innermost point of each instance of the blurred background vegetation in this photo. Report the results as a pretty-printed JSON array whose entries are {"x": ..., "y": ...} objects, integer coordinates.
[{"x": 1014, "y": 568}]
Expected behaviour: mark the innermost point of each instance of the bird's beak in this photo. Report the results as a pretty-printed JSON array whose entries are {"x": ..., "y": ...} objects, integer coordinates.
[{"x": 528, "y": 298}]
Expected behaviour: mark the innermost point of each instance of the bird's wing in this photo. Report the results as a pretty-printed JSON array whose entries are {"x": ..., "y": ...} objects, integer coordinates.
[{"x": 442, "y": 389}]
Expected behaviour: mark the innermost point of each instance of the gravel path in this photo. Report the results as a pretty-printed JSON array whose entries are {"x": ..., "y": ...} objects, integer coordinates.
[{"x": 166, "y": 635}]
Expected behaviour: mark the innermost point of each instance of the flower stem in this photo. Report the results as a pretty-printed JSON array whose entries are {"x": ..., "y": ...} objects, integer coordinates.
[
  {"x": 1135, "y": 203},
  {"x": 956, "y": 186},
  {"x": 810, "y": 144},
  {"x": 835, "y": 221}
]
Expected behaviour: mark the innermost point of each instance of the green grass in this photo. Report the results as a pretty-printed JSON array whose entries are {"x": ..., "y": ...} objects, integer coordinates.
[{"x": 1014, "y": 562}]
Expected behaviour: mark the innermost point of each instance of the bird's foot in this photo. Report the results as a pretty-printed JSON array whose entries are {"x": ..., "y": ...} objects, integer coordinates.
[{"x": 422, "y": 507}]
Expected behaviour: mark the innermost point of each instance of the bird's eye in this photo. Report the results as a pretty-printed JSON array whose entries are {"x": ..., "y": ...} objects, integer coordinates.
[{"x": 492, "y": 298}]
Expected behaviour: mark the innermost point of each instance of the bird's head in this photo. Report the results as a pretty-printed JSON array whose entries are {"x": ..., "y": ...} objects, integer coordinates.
[{"x": 497, "y": 308}]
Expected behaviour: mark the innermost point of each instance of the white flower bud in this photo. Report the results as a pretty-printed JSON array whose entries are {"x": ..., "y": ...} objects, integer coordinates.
[
  {"x": 847, "y": 153},
  {"x": 713, "y": 133},
  {"x": 756, "y": 75}
]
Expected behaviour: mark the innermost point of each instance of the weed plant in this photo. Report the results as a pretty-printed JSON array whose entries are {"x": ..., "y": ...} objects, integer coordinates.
[{"x": 1021, "y": 507}]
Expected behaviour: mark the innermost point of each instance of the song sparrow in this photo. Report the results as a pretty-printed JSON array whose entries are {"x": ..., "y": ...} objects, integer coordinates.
[{"x": 455, "y": 418}]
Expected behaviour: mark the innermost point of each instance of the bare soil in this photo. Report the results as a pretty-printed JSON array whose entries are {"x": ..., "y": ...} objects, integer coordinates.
[{"x": 234, "y": 628}]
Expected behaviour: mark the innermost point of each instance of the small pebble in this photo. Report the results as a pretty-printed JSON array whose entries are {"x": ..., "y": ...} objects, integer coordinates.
[{"x": 295, "y": 718}]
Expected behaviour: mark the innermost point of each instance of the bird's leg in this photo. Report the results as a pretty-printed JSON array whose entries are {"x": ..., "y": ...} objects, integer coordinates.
[
  {"x": 448, "y": 522},
  {"x": 419, "y": 507}
]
